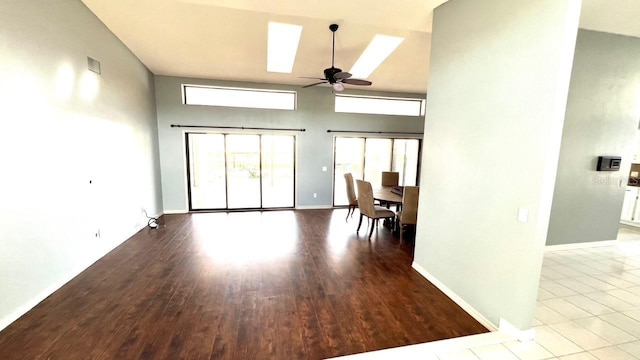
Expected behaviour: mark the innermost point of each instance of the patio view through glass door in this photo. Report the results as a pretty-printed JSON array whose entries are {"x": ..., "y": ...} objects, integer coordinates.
[
  {"x": 243, "y": 171},
  {"x": 239, "y": 171},
  {"x": 367, "y": 158},
  {"x": 278, "y": 168}
]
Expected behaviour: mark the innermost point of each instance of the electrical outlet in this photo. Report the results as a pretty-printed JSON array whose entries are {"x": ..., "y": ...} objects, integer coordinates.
[{"x": 315, "y": 195}]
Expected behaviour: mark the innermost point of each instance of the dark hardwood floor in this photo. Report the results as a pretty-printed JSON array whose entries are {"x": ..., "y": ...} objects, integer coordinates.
[{"x": 252, "y": 285}]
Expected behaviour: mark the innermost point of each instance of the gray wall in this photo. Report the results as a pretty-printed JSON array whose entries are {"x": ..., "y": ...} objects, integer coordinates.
[
  {"x": 56, "y": 136},
  {"x": 602, "y": 117},
  {"x": 315, "y": 113},
  {"x": 498, "y": 87}
]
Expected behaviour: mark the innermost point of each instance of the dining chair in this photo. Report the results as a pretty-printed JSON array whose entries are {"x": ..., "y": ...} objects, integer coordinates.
[
  {"x": 368, "y": 209},
  {"x": 351, "y": 195},
  {"x": 408, "y": 216},
  {"x": 390, "y": 178}
]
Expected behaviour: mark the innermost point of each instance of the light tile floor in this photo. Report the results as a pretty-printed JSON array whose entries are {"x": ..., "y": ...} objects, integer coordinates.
[{"x": 588, "y": 308}]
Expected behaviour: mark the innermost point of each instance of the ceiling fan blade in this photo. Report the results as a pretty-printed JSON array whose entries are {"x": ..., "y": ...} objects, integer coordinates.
[
  {"x": 357, "y": 82},
  {"x": 314, "y": 84},
  {"x": 342, "y": 75},
  {"x": 312, "y": 78}
]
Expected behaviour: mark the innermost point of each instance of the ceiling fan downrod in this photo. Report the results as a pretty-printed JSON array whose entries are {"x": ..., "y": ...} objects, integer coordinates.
[{"x": 333, "y": 28}]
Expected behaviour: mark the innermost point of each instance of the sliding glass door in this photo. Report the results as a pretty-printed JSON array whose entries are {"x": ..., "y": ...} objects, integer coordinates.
[
  {"x": 367, "y": 158},
  {"x": 348, "y": 158},
  {"x": 278, "y": 169},
  {"x": 239, "y": 171},
  {"x": 243, "y": 172},
  {"x": 405, "y": 160},
  {"x": 377, "y": 158},
  {"x": 206, "y": 171}
]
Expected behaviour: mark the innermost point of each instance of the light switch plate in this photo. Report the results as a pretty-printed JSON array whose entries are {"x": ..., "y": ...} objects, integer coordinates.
[
  {"x": 523, "y": 215},
  {"x": 324, "y": 168}
]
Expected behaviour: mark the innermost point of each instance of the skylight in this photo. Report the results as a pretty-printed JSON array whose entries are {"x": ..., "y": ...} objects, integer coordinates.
[
  {"x": 282, "y": 46},
  {"x": 378, "y": 50}
]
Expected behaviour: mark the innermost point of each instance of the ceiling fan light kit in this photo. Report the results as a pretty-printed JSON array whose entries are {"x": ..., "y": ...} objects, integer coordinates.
[{"x": 335, "y": 76}]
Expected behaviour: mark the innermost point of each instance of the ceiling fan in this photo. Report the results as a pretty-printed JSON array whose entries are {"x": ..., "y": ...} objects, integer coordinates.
[{"x": 334, "y": 76}]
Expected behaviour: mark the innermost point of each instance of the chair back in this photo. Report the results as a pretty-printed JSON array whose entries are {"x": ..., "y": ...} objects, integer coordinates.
[
  {"x": 351, "y": 193},
  {"x": 365, "y": 198},
  {"x": 409, "y": 214},
  {"x": 390, "y": 178}
]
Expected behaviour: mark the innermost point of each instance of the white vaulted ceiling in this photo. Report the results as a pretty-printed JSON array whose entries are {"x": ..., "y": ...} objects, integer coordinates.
[{"x": 227, "y": 39}]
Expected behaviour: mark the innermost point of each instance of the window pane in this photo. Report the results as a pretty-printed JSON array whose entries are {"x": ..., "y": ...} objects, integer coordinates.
[
  {"x": 399, "y": 148},
  {"x": 243, "y": 171},
  {"x": 377, "y": 159},
  {"x": 411, "y": 162},
  {"x": 207, "y": 171},
  {"x": 405, "y": 160},
  {"x": 378, "y": 105},
  {"x": 349, "y": 156},
  {"x": 277, "y": 171},
  {"x": 233, "y": 97}
]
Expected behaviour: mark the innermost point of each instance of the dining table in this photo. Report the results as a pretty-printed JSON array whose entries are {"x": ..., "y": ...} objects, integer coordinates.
[{"x": 388, "y": 195}]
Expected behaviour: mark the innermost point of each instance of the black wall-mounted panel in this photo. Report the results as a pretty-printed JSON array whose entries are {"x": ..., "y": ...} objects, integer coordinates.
[{"x": 609, "y": 163}]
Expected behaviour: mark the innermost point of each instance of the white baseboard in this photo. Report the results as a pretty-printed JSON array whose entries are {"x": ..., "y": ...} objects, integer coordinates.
[
  {"x": 313, "y": 207},
  {"x": 522, "y": 335},
  {"x": 24, "y": 308},
  {"x": 175, "y": 211},
  {"x": 30, "y": 304},
  {"x": 457, "y": 299},
  {"x": 630, "y": 223},
  {"x": 585, "y": 245},
  {"x": 299, "y": 207}
]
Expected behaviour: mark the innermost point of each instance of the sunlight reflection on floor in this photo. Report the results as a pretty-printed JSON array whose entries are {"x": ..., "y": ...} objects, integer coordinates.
[
  {"x": 246, "y": 237},
  {"x": 336, "y": 241},
  {"x": 259, "y": 237}
]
